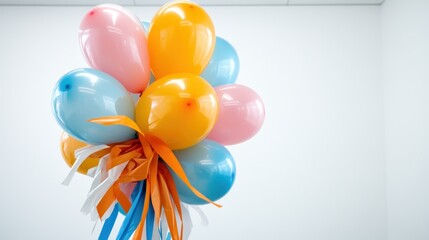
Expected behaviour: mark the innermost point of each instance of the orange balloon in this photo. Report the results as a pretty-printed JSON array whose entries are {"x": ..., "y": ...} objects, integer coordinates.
[
  {"x": 69, "y": 146},
  {"x": 180, "y": 109},
  {"x": 181, "y": 39}
]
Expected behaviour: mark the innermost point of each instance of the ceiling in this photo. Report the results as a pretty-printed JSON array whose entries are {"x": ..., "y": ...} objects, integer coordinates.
[{"x": 201, "y": 2}]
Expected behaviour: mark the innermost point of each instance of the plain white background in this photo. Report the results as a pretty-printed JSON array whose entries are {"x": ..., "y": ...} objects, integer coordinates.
[
  {"x": 343, "y": 153},
  {"x": 405, "y": 26}
]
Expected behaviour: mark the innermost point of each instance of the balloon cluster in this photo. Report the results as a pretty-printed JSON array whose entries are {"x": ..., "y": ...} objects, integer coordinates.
[{"x": 150, "y": 157}]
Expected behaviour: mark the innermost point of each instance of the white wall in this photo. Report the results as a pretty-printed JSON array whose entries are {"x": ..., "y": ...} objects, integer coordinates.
[
  {"x": 315, "y": 171},
  {"x": 406, "y": 89}
]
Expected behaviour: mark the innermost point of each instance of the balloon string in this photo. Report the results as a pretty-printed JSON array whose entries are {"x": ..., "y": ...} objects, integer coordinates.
[
  {"x": 157, "y": 145},
  {"x": 142, "y": 158}
]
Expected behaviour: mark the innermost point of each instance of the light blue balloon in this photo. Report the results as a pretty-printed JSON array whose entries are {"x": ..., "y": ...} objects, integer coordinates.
[
  {"x": 146, "y": 26},
  {"x": 84, "y": 94},
  {"x": 209, "y": 167},
  {"x": 224, "y": 65}
]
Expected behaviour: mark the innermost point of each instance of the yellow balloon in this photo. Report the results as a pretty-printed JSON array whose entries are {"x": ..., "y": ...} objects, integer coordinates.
[
  {"x": 181, "y": 39},
  {"x": 69, "y": 146},
  {"x": 180, "y": 109}
]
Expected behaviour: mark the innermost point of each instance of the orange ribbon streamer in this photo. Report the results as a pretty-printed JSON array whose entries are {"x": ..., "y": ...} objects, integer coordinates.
[{"x": 142, "y": 156}]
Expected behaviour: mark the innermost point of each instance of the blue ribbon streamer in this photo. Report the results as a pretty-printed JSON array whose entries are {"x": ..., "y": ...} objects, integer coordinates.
[
  {"x": 160, "y": 231},
  {"x": 108, "y": 224},
  {"x": 167, "y": 237},
  {"x": 133, "y": 217},
  {"x": 150, "y": 221}
]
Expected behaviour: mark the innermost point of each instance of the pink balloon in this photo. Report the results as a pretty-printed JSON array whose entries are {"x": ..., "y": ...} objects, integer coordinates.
[
  {"x": 241, "y": 114},
  {"x": 113, "y": 41}
]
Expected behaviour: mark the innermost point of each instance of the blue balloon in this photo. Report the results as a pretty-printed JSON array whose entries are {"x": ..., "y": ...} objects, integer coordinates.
[
  {"x": 209, "y": 167},
  {"x": 146, "y": 26},
  {"x": 84, "y": 94},
  {"x": 223, "y": 66}
]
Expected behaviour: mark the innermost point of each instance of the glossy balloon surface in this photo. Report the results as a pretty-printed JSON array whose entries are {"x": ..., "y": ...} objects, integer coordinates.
[
  {"x": 113, "y": 41},
  {"x": 209, "y": 167},
  {"x": 179, "y": 109},
  {"x": 146, "y": 26},
  {"x": 181, "y": 39},
  {"x": 224, "y": 65},
  {"x": 84, "y": 94},
  {"x": 68, "y": 147},
  {"x": 241, "y": 114}
]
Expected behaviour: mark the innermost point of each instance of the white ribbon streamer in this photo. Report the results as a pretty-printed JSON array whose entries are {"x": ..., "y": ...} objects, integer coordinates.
[
  {"x": 98, "y": 176},
  {"x": 93, "y": 227},
  {"x": 91, "y": 172},
  {"x": 163, "y": 226},
  {"x": 103, "y": 180},
  {"x": 155, "y": 235},
  {"x": 203, "y": 217},
  {"x": 187, "y": 224},
  {"x": 81, "y": 154},
  {"x": 99, "y": 188},
  {"x": 187, "y": 221}
]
